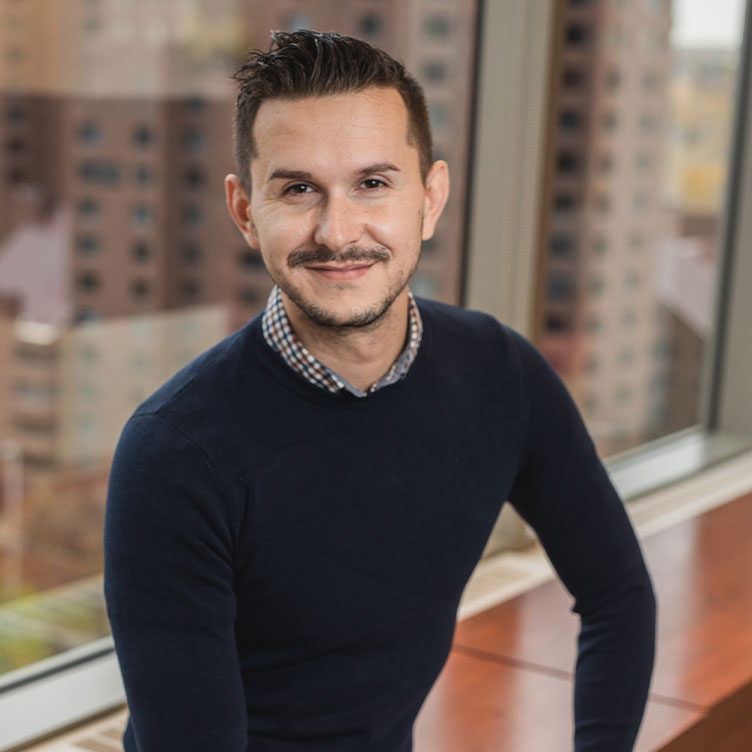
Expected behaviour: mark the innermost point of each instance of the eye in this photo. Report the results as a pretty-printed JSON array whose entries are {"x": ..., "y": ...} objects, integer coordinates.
[
  {"x": 298, "y": 189},
  {"x": 373, "y": 183}
]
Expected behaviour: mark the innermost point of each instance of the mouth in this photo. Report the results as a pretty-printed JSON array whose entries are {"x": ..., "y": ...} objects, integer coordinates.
[{"x": 344, "y": 273}]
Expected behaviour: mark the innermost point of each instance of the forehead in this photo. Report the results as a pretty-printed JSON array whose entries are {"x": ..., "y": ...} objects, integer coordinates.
[{"x": 370, "y": 125}]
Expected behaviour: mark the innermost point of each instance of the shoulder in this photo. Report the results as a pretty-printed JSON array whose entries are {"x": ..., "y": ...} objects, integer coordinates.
[{"x": 478, "y": 332}]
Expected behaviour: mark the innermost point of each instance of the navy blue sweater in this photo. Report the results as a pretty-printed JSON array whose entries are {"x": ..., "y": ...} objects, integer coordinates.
[{"x": 283, "y": 565}]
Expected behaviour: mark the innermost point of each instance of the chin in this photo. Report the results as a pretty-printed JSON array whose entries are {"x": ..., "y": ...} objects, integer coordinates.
[{"x": 353, "y": 317}]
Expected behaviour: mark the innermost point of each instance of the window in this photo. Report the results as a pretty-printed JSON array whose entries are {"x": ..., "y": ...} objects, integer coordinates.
[
  {"x": 194, "y": 178},
  {"x": 140, "y": 252},
  {"x": 144, "y": 176},
  {"x": 104, "y": 173},
  {"x": 89, "y": 134},
  {"x": 251, "y": 260},
  {"x": 437, "y": 27},
  {"x": 194, "y": 141},
  {"x": 142, "y": 215},
  {"x": 577, "y": 34},
  {"x": 573, "y": 78},
  {"x": 87, "y": 281},
  {"x": 371, "y": 26},
  {"x": 570, "y": 121},
  {"x": 88, "y": 208},
  {"x": 191, "y": 254},
  {"x": 597, "y": 147},
  {"x": 193, "y": 216},
  {"x": 88, "y": 245},
  {"x": 562, "y": 244},
  {"x": 143, "y": 136},
  {"x": 140, "y": 289},
  {"x": 435, "y": 71}
]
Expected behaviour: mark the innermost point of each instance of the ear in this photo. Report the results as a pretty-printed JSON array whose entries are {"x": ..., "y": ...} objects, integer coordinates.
[
  {"x": 437, "y": 192},
  {"x": 239, "y": 207}
]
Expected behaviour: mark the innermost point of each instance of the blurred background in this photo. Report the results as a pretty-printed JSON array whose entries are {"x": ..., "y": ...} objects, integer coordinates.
[{"x": 119, "y": 263}]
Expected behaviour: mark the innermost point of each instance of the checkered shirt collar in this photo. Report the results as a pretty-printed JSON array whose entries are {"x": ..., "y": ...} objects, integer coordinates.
[{"x": 280, "y": 336}]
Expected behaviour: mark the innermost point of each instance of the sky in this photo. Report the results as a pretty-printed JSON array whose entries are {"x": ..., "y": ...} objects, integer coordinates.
[{"x": 707, "y": 23}]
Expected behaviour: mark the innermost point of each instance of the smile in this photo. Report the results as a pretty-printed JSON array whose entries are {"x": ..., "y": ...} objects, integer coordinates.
[{"x": 344, "y": 273}]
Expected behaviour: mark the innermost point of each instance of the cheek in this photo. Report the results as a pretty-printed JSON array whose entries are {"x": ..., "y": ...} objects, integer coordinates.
[
  {"x": 400, "y": 226},
  {"x": 279, "y": 233}
]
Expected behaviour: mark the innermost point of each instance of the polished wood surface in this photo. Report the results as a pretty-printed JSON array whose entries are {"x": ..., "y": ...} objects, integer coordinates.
[{"x": 508, "y": 682}]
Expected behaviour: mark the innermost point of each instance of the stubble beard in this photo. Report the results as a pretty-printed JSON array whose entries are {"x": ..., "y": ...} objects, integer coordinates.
[{"x": 372, "y": 316}]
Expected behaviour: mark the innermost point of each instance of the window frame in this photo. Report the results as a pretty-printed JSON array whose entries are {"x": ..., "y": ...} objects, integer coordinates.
[{"x": 510, "y": 141}]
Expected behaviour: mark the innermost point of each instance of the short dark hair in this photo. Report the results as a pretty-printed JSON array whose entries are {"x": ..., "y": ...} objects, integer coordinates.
[{"x": 309, "y": 63}]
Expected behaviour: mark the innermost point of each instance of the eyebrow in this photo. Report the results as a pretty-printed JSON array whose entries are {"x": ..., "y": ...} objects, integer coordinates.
[{"x": 284, "y": 174}]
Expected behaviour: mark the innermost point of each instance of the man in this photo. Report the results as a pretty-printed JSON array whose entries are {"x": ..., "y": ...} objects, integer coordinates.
[{"x": 293, "y": 516}]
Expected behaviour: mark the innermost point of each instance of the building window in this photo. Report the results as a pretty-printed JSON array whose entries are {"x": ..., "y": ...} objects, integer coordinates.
[
  {"x": 86, "y": 314},
  {"x": 15, "y": 116},
  {"x": 609, "y": 121},
  {"x": 142, "y": 215},
  {"x": 562, "y": 244},
  {"x": 88, "y": 208},
  {"x": 565, "y": 203},
  {"x": 87, "y": 281},
  {"x": 437, "y": 112},
  {"x": 370, "y": 26},
  {"x": 557, "y": 323},
  {"x": 144, "y": 176},
  {"x": 194, "y": 178},
  {"x": 140, "y": 251},
  {"x": 249, "y": 297},
  {"x": 251, "y": 260},
  {"x": 605, "y": 163},
  {"x": 140, "y": 288},
  {"x": 88, "y": 245},
  {"x": 573, "y": 78},
  {"x": 190, "y": 290},
  {"x": 89, "y": 134},
  {"x": 191, "y": 254},
  {"x": 103, "y": 173},
  {"x": 194, "y": 141},
  {"x": 613, "y": 79},
  {"x": 643, "y": 162},
  {"x": 143, "y": 136},
  {"x": 437, "y": 27},
  {"x": 648, "y": 122},
  {"x": 631, "y": 281},
  {"x": 435, "y": 71},
  {"x": 195, "y": 104},
  {"x": 600, "y": 245},
  {"x": 193, "y": 217},
  {"x": 577, "y": 34},
  {"x": 15, "y": 145},
  {"x": 570, "y": 121},
  {"x": 569, "y": 162},
  {"x": 559, "y": 287}
]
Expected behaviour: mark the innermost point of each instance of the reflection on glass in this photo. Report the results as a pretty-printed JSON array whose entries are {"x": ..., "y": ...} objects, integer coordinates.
[
  {"x": 118, "y": 261},
  {"x": 642, "y": 120}
]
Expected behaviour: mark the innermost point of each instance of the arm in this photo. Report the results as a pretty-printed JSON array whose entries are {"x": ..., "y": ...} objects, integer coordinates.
[
  {"x": 169, "y": 593},
  {"x": 564, "y": 493}
]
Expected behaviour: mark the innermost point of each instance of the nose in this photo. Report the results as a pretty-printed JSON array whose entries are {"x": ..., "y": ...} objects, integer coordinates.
[{"x": 339, "y": 222}]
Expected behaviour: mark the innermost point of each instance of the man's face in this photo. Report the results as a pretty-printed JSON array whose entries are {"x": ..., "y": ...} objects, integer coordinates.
[{"x": 338, "y": 208}]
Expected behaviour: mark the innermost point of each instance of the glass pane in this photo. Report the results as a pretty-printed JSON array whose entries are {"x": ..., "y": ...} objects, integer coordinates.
[
  {"x": 118, "y": 260},
  {"x": 642, "y": 120}
]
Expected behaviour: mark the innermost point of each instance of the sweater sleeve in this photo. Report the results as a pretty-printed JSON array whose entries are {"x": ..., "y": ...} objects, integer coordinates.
[
  {"x": 562, "y": 490},
  {"x": 169, "y": 593}
]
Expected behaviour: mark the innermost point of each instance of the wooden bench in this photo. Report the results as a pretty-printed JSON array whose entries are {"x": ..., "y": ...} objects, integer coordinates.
[{"x": 507, "y": 685}]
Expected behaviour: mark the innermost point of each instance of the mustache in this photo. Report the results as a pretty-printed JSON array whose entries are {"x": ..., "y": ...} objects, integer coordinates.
[{"x": 327, "y": 256}]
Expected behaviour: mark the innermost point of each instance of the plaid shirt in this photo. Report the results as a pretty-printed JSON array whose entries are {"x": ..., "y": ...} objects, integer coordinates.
[{"x": 280, "y": 337}]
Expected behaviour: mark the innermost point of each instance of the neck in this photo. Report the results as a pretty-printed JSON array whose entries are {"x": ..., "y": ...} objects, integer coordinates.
[{"x": 360, "y": 355}]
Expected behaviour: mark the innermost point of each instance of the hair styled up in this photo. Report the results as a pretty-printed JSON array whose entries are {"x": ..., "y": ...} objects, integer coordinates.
[{"x": 308, "y": 63}]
